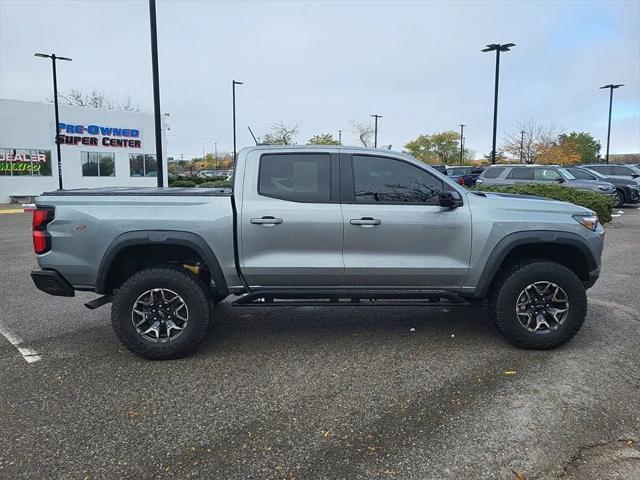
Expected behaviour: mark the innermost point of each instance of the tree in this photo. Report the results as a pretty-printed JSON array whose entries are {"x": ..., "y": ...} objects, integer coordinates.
[
  {"x": 281, "y": 134},
  {"x": 538, "y": 138},
  {"x": 323, "y": 139},
  {"x": 443, "y": 147},
  {"x": 582, "y": 143},
  {"x": 97, "y": 99},
  {"x": 364, "y": 132},
  {"x": 562, "y": 153}
]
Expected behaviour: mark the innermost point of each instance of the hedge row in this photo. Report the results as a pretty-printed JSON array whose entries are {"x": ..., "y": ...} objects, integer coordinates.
[
  {"x": 195, "y": 180},
  {"x": 218, "y": 182},
  {"x": 601, "y": 204}
]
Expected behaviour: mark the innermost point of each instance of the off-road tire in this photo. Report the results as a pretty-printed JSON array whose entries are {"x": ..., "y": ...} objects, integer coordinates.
[
  {"x": 505, "y": 292},
  {"x": 185, "y": 285}
]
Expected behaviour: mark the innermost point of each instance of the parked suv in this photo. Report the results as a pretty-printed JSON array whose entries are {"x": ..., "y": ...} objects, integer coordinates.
[
  {"x": 620, "y": 171},
  {"x": 523, "y": 174},
  {"x": 627, "y": 190}
]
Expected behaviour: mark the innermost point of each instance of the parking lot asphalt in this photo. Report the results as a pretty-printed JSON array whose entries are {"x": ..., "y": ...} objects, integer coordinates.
[{"x": 320, "y": 392}]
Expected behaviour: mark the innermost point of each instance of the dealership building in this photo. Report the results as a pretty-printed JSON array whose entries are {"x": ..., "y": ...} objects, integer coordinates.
[{"x": 99, "y": 148}]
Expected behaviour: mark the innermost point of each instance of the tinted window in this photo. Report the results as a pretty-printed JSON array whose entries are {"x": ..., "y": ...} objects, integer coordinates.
[
  {"x": 521, "y": 173},
  {"x": 493, "y": 172},
  {"x": 581, "y": 174},
  {"x": 622, "y": 171},
  {"x": 603, "y": 169},
  {"x": 458, "y": 171},
  {"x": 546, "y": 175},
  {"x": 385, "y": 180},
  {"x": 304, "y": 177}
]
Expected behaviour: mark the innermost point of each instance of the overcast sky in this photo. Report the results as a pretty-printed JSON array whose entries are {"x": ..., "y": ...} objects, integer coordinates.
[{"x": 322, "y": 64}]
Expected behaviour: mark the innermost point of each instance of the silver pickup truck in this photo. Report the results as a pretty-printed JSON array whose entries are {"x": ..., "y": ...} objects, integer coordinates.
[{"x": 317, "y": 226}]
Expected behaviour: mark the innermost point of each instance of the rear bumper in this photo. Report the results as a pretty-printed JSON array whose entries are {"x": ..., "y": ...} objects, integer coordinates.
[{"x": 51, "y": 282}]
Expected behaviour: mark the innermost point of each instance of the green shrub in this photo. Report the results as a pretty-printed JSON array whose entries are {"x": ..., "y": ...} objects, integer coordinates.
[
  {"x": 182, "y": 183},
  {"x": 601, "y": 204},
  {"x": 216, "y": 184}
]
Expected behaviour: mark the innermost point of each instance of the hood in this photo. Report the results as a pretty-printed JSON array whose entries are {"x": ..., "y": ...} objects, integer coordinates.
[
  {"x": 594, "y": 185},
  {"x": 529, "y": 203}
]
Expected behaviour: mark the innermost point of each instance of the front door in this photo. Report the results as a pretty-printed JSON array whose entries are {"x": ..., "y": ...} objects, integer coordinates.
[
  {"x": 291, "y": 220},
  {"x": 395, "y": 232}
]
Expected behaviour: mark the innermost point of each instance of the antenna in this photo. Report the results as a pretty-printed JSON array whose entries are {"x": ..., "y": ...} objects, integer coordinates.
[{"x": 254, "y": 137}]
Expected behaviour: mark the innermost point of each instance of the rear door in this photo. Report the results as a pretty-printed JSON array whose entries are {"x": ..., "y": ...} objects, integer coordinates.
[
  {"x": 395, "y": 232},
  {"x": 291, "y": 220}
]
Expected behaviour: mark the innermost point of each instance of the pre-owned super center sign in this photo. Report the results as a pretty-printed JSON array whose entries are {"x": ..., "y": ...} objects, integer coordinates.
[{"x": 98, "y": 135}]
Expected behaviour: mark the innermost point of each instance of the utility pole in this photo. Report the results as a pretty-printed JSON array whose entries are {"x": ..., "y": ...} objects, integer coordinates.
[
  {"x": 53, "y": 58},
  {"x": 611, "y": 87},
  {"x": 156, "y": 90},
  {"x": 233, "y": 88},
  {"x": 498, "y": 48},
  {"x": 375, "y": 134},
  {"x": 339, "y": 137},
  {"x": 462, "y": 125},
  {"x": 215, "y": 150},
  {"x": 521, "y": 146}
]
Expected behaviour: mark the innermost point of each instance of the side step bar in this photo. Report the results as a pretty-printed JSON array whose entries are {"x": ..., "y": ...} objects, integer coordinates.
[{"x": 381, "y": 298}]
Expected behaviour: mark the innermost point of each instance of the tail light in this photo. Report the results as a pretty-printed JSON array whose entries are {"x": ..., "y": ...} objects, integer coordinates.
[
  {"x": 42, "y": 216},
  {"x": 461, "y": 180}
]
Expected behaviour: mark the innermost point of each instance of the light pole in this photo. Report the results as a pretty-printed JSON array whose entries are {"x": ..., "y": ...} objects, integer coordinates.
[
  {"x": 611, "y": 87},
  {"x": 53, "y": 58},
  {"x": 462, "y": 125},
  {"x": 233, "y": 89},
  {"x": 498, "y": 48},
  {"x": 375, "y": 134},
  {"x": 521, "y": 146},
  {"x": 215, "y": 153},
  {"x": 156, "y": 90},
  {"x": 339, "y": 137}
]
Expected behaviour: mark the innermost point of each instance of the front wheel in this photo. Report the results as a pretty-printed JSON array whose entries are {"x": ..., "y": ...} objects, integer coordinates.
[
  {"x": 539, "y": 305},
  {"x": 618, "y": 199},
  {"x": 160, "y": 313}
]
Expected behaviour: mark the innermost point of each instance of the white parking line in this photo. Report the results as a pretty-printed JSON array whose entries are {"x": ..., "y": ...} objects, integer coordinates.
[{"x": 28, "y": 354}]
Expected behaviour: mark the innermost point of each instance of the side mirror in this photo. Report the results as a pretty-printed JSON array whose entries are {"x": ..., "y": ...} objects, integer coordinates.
[
  {"x": 560, "y": 180},
  {"x": 450, "y": 199},
  {"x": 635, "y": 175}
]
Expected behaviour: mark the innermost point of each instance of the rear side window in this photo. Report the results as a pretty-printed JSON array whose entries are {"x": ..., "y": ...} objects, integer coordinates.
[
  {"x": 521, "y": 173},
  {"x": 386, "y": 180},
  {"x": 493, "y": 172},
  {"x": 304, "y": 177}
]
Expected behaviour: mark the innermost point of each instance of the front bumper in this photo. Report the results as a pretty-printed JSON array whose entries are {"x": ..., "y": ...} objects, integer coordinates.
[{"x": 51, "y": 282}]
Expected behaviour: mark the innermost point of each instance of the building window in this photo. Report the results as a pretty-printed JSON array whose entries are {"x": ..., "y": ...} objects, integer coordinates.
[
  {"x": 23, "y": 162},
  {"x": 97, "y": 164},
  {"x": 141, "y": 165}
]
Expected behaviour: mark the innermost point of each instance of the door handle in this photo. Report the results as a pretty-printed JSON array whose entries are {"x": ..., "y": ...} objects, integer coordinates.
[
  {"x": 365, "y": 221},
  {"x": 266, "y": 220}
]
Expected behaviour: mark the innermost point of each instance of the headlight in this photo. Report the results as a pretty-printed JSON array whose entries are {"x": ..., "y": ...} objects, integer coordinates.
[
  {"x": 479, "y": 180},
  {"x": 604, "y": 187},
  {"x": 589, "y": 221}
]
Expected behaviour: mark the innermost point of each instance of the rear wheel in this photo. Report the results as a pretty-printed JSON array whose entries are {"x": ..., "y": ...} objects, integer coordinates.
[
  {"x": 160, "y": 313},
  {"x": 539, "y": 305}
]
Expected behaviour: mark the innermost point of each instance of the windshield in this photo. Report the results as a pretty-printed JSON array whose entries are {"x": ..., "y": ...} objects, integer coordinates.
[
  {"x": 597, "y": 174},
  {"x": 566, "y": 174}
]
